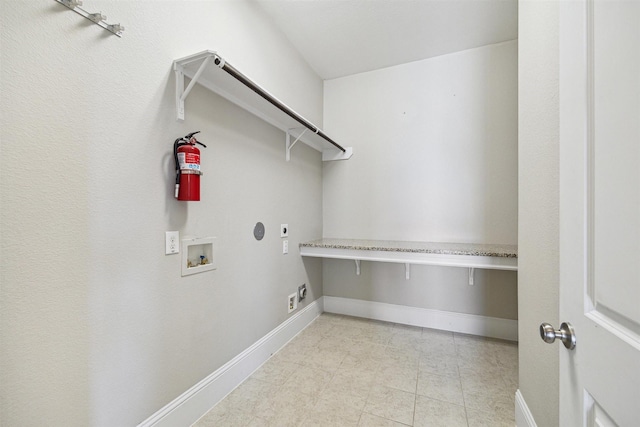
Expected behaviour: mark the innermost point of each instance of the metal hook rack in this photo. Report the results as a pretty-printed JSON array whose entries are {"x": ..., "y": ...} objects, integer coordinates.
[{"x": 97, "y": 18}]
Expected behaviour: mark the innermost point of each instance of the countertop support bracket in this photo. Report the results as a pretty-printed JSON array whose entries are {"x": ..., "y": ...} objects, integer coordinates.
[
  {"x": 357, "y": 267},
  {"x": 407, "y": 271},
  {"x": 471, "y": 274}
]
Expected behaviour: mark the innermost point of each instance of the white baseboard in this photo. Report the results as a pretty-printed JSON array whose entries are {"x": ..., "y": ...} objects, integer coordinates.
[
  {"x": 524, "y": 418},
  {"x": 493, "y": 327},
  {"x": 195, "y": 402}
]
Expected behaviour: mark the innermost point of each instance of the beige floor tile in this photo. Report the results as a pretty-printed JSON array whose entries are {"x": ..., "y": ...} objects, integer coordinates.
[
  {"x": 428, "y": 332},
  {"x": 374, "y": 335},
  {"x": 390, "y": 403},
  {"x": 406, "y": 358},
  {"x": 507, "y": 354},
  {"x": 319, "y": 327},
  {"x": 325, "y": 359},
  {"x": 406, "y": 341},
  {"x": 284, "y": 408},
  {"x": 441, "y": 340},
  {"x": 347, "y": 332},
  {"x": 478, "y": 418},
  {"x": 399, "y": 377},
  {"x": 439, "y": 387},
  {"x": 275, "y": 371},
  {"x": 399, "y": 328},
  {"x": 465, "y": 340},
  {"x": 225, "y": 414},
  {"x": 362, "y": 365},
  {"x": 511, "y": 381},
  {"x": 499, "y": 403},
  {"x": 309, "y": 338},
  {"x": 440, "y": 348},
  {"x": 326, "y": 414},
  {"x": 366, "y": 350},
  {"x": 258, "y": 422},
  {"x": 380, "y": 327},
  {"x": 473, "y": 382},
  {"x": 335, "y": 343},
  {"x": 307, "y": 380},
  {"x": 436, "y": 413},
  {"x": 340, "y": 366},
  {"x": 369, "y": 420},
  {"x": 249, "y": 394},
  {"x": 353, "y": 322},
  {"x": 439, "y": 364},
  {"x": 294, "y": 353},
  {"x": 349, "y": 390}
]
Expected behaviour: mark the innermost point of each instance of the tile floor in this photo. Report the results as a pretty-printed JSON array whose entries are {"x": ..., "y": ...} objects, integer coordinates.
[{"x": 347, "y": 371}]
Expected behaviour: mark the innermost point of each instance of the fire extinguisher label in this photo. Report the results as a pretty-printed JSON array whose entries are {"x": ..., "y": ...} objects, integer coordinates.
[{"x": 189, "y": 161}]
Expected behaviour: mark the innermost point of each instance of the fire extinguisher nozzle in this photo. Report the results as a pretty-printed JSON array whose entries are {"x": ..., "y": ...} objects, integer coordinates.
[{"x": 177, "y": 191}]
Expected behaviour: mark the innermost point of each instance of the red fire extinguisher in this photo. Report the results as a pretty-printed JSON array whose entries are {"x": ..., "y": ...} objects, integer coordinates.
[{"x": 187, "y": 158}]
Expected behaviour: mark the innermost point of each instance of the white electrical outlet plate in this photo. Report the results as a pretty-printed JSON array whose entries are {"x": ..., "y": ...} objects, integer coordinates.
[
  {"x": 172, "y": 242},
  {"x": 285, "y": 246},
  {"x": 284, "y": 230},
  {"x": 292, "y": 303}
]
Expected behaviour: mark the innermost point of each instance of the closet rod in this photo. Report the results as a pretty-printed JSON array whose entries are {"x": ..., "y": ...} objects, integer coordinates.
[{"x": 273, "y": 101}]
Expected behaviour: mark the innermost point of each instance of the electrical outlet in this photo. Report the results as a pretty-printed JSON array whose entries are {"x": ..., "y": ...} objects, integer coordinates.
[
  {"x": 302, "y": 292},
  {"x": 172, "y": 242},
  {"x": 285, "y": 246},
  {"x": 292, "y": 303},
  {"x": 284, "y": 230}
]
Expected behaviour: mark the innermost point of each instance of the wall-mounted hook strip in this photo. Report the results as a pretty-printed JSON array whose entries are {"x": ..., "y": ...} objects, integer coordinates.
[{"x": 97, "y": 18}]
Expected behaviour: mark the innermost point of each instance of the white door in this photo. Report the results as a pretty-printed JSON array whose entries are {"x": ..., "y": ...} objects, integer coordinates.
[{"x": 600, "y": 211}]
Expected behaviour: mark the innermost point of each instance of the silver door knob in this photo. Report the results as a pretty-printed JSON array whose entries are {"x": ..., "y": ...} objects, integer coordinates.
[{"x": 566, "y": 334}]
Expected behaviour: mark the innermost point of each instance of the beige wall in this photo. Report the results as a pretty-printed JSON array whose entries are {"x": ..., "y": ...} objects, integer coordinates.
[
  {"x": 538, "y": 264},
  {"x": 98, "y": 327},
  {"x": 435, "y": 159}
]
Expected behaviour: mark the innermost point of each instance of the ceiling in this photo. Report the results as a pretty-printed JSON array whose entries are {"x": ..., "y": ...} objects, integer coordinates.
[{"x": 344, "y": 37}]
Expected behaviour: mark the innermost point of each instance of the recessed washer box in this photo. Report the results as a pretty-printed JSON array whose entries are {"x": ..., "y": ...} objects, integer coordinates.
[{"x": 197, "y": 255}]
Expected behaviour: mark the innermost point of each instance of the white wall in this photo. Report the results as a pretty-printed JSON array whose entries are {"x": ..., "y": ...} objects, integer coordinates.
[
  {"x": 538, "y": 244},
  {"x": 98, "y": 328},
  {"x": 435, "y": 159}
]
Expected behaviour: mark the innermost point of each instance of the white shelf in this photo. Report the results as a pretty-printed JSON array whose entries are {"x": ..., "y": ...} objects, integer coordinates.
[
  {"x": 210, "y": 70},
  {"x": 494, "y": 257},
  {"x": 471, "y": 261}
]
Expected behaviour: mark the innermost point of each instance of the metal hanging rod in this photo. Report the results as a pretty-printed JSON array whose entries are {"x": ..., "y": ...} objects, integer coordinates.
[
  {"x": 97, "y": 18},
  {"x": 211, "y": 71},
  {"x": 225, "y": 66}
]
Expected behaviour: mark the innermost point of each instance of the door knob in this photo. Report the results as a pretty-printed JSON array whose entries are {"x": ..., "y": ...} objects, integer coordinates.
[{"x": 566, "y": 334}]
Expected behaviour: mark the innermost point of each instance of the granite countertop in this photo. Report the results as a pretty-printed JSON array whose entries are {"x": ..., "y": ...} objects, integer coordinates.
[{"x": 477, "y": 249}]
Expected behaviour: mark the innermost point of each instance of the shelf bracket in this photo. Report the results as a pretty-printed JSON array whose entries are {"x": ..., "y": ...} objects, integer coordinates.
[
  {"x": 357, "y": 267},
  {"x": 471, "y": 274},
  {"x": 181, "y": 92},
  {"x": 407, "y": 271},
  {"x": 289, "y": 144}
]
